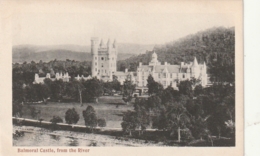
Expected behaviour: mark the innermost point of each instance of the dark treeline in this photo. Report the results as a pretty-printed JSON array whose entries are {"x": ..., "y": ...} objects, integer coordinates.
[
  {"x": 57, "y": 90},
  {"x": 215, "y": 46},
  {"x": 192, "y": 112},
  {"x": 25, "y": 72}
]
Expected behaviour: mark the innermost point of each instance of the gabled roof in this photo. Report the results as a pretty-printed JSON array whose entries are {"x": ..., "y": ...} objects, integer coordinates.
[{"x": 170, "y": 68}]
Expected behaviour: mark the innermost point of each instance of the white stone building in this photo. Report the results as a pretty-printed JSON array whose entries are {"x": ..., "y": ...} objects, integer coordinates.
[
  {"x": 168, "y": 74},
  {"x": 58, "y": 76}
]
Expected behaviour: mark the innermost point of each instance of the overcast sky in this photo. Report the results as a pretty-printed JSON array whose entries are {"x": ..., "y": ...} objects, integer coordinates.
[{"x": 136, "y": 26}]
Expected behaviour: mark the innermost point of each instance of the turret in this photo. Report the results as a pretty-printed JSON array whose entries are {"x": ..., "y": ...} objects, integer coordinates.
[
  {"x": 195, "y": 62},
  {"x": 101, "y": 43},
  {"x": 94, "y": 52},
  {"x": 115, "y": 44},
  {"x": 108, "y": 43},
  {"x": 48, "y": 75},
  {"x": 94, "y": 45},
  {"x": 195, "y": 68}
]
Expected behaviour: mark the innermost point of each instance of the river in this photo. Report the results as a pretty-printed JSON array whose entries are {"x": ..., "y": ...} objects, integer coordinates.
[{"x": 34, "y": 136}]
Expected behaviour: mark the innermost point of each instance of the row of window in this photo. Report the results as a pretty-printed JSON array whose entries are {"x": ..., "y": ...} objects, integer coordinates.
[
  {"x": 102, "y": 65},
  {"x": 104, "y": 58},
  {"x": 164, "y": 83},
  {"x": 105, "y": 71}
]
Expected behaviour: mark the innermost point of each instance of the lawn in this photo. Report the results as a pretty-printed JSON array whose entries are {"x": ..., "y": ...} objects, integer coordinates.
[{"x": 106, "y": 108}]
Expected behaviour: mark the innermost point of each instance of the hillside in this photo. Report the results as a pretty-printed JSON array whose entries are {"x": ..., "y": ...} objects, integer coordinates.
[
  {"x": 36, "y": 53},
  {"x": 215, "y": 46}
]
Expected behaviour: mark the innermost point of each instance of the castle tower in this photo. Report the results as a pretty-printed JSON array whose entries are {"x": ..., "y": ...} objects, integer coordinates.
[
  {"x": 154, "y": 60},
  {"x": 195, "y": 69},
  {"x": 104, "y": 59},
  {"x": 94, "y": 53}
]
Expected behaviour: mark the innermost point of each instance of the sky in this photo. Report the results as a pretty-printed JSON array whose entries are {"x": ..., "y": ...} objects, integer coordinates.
[{"x": 129, "y": 23}]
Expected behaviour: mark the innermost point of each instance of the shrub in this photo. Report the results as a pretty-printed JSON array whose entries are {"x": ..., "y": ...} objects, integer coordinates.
[
  {"x": 71, "y": 116},
  {"x": 102, "y": 122},
  {"x": 56, "y": 119}
]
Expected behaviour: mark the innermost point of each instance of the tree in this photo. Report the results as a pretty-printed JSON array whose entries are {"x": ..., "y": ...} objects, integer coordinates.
[
  {"x": 185, "y": 88},
  {"x": 17, "y": 109},
  {"x": 94, "y": 88},
  {"x": 71, "y": 116},
  {"x": 128, "y": 89},
  {"x": 177, "y": 118},
  {"x": 78, "y": 87},
  {"x": 142, "y": 118},
  {"x": 129, "y": 123},
  {"x": 154, "y": 87},
  {"x": 90, "y": 117}
]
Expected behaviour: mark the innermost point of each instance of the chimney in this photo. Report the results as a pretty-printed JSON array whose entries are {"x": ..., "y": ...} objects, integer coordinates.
[
  {"x": 140, "y": 64},
  {"x": 165, "y": 63},
  {"x": 182, "y": 64},
  {"x": 126, "y": 70}
]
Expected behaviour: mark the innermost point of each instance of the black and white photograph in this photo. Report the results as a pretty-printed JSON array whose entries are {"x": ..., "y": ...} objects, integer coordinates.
[{"x": 124, "y": 74}]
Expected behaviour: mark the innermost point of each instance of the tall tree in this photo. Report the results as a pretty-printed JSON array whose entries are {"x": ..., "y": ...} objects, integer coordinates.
[
  {"x": 129, "y": 123},
  {"x": 128, "y": 89},
  {"x": 177, "y": 118},
  {"x": 90, "y": 117},
  {"x": 154, "y": 87}
]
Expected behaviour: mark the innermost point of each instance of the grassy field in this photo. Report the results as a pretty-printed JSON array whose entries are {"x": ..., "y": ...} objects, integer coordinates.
[{"x": 106, "y": 108}]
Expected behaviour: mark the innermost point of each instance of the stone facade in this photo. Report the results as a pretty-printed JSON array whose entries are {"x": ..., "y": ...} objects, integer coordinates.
[
  {"x": 104, "y": 57},
  {"x": 168, "y": 74},
  {"x": 58, "y": 76}
]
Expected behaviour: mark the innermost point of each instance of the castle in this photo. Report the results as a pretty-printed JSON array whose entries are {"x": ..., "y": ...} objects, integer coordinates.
[
  {"x": 104, "y": 59},
  {"x": 168, "y": 74},
  {"x": 104, "y": 67}
]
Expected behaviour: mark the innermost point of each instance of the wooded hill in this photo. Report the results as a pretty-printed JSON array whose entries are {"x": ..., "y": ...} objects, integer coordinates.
[{"x": 215, "y": 46}]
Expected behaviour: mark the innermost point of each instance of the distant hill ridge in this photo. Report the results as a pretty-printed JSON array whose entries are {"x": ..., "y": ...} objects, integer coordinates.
[{"x": 36, "y": 53}]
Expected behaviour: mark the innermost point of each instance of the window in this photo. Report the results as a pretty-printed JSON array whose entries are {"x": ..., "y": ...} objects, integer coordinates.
[
  {"x": 102, "y": 58},
  {"x": 159, "y": 75},
  {"x": 105, "y": 71},
  {"x": 183, "y": 76},
  {"x": 143, "y": 77},
  {"x": 95, "y": 58},
  {"x": 164, "y": 83},
  {"x": 95, "y": 69},
  {"x": 95, "y": 63},
  {"x": 164, "y": 75},
  {"x": 102, "y": 65},
  {"x": 171, "y": 75},
  {"x": 143, "y": 83}
]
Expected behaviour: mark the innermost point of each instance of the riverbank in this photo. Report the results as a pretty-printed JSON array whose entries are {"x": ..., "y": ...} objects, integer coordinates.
[{"x": 88, "y": 139}]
